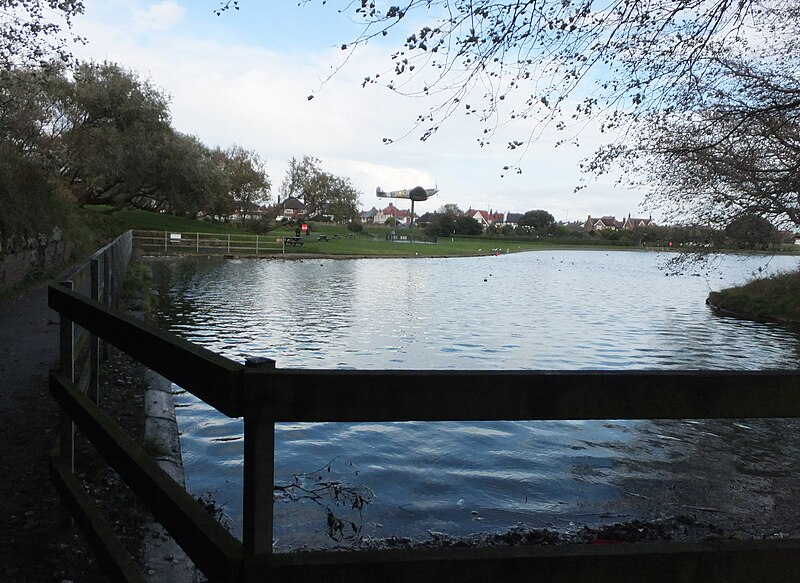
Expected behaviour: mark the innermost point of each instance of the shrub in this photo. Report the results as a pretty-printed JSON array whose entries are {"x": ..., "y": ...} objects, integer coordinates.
[{"x": 355, "y": 227}]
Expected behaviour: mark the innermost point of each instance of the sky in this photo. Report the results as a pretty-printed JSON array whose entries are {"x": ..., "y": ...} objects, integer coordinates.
[{"x": 245, "y": 78}]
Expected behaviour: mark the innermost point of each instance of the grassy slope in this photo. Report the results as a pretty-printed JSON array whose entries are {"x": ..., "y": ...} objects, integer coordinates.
[
  {"x": 139, "y": 219},
  {"x": 772, "y": 298}
]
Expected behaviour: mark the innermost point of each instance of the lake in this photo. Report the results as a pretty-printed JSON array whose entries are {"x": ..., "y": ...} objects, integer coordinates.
[{"x": 548, "y": 310}]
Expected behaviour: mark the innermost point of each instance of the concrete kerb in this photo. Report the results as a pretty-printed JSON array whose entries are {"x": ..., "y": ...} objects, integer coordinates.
[{"x": 165, "y": 561}]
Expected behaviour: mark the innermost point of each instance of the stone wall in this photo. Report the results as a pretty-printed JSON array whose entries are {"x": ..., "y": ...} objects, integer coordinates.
[{"x": 21, "y": 257}]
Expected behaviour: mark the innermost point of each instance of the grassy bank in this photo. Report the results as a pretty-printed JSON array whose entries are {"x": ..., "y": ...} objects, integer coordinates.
[{"x": 775, "y": 298}]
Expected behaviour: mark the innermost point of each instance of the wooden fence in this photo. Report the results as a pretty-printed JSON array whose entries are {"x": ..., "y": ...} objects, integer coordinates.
[
  {"x": 180, "y": 243},
  {"x": 263, "y": 395}
]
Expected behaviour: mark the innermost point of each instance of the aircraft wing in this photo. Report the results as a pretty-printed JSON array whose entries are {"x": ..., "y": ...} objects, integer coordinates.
[{"x": 417, "y": 193}]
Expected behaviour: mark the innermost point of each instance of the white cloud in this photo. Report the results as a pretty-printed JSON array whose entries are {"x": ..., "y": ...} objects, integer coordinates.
[{"x": 158, "y": 17}]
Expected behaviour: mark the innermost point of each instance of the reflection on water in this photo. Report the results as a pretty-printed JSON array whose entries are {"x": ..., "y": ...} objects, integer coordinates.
[{"x": 548, "y": 310}]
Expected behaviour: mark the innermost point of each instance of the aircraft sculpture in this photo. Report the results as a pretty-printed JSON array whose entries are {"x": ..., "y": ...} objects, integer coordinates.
[{"x": 416, "y": 194}]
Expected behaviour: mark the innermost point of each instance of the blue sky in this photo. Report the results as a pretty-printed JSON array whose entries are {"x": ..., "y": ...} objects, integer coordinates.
[{"x": 244, "y": 77}]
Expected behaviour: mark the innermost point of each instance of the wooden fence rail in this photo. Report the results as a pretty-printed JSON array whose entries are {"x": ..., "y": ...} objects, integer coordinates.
[{"x": 264, "y": 395}]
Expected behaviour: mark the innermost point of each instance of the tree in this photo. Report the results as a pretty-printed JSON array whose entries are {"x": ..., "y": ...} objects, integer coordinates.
[
  {"x": 730, "y": 143},
  {"x": 751, "y": 231},
  {"x": 468, "y": 226},
  {"x": 32, "y": 32},
  {"x": 450, "y": 209},
  {"x": 636, "y": 66},
  {"x": 546, "y": 50},
  {"x": 539, "y": 221},
  {"x": 186, "y": 180},
  {"x": 247, "y": 178},
  {"x": 643, "y": 68},
  {"x": 322, "y": 193},
  {"x": 443, "y": 223},
  {"x": 114, "y": 130}
]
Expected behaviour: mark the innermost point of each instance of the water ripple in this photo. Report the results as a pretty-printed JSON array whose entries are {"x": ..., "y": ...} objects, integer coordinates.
[{"x": 553, "y": 311}]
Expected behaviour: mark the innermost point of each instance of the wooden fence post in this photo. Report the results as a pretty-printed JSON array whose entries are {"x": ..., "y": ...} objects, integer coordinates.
[
  {"x": 94, "y": 342},
  {"x": 259, "y": 480},
  {"x": 66, "y": 428},
  {"x": 106, "y": 297}
]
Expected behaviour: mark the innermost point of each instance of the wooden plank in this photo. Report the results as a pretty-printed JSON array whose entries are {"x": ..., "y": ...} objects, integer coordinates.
[
  {"x": 709, "y": 562},
  {"x": 218, "y": 554},
  {"x": 117, "y": 563},
  {"x": 326, "y": 395},
  {"x": 209, "y": 376}
]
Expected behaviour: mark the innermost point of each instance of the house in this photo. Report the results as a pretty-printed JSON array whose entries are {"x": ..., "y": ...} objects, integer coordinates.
[
  {"x": 634, "y": 223},
  {"x": 483, "y": 217},
  {"x": 290, "y": 208},
  {"x": 426, "y": 218},
  {"x": 601, "y": 224},
  {"x": 511, "y": 219},
  {"x": 401, "y": 216},
  {"x": 368, "y": 217}
]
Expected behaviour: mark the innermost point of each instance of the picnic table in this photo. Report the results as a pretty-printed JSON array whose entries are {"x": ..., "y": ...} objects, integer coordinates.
[{"x": 293, "y": 241}]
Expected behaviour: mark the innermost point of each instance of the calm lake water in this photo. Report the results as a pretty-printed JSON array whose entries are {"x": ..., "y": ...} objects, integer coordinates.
[{"x": 551, "y": 310}]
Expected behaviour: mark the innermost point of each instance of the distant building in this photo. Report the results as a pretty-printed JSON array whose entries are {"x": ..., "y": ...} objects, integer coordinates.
[
  {"x": 602, "y": 224},
  {"x": 634, "y": 223},
  {"x": 483, "y": 217},
  {"x": 401, "y": 216},
  {"x": 368, "y": 217},
  {"x": 512, "y": 219},
  {"x": 427, "y": 218},
  {"x": 290, "y": 208}
]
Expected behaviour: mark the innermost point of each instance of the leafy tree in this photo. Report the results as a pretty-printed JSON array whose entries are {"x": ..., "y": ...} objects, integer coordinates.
[
  {"x": 321, "y": 192},
  {"x": 115, "y": 129},
  {"x": 468, "y": 226},
  {"x": 539, "y": 221},
  {"x": 247, "y": 178},
  {"x": 186, "y": 180},
  {"x": 443, "y": 223},
  {"x": 750, "y": 231},
  {"x": 32, "y": 31},
  {"x": 450, "y": 209}
]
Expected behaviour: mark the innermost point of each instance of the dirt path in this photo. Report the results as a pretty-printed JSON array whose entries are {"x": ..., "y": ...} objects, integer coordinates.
[{"x": 32, "y": 546}]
